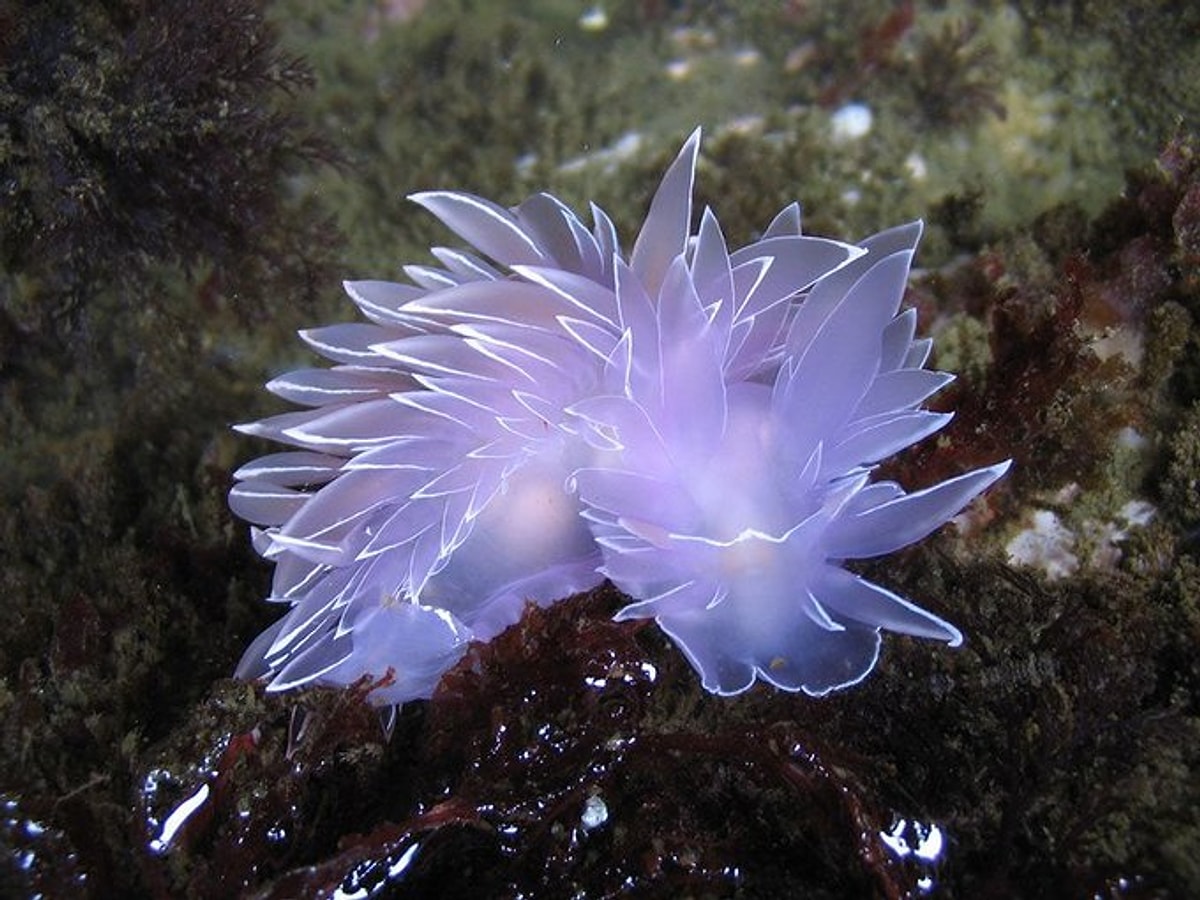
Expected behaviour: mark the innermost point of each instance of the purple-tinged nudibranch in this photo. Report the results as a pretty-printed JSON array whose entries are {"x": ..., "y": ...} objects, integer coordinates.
[{"x": 530, "y": 417}]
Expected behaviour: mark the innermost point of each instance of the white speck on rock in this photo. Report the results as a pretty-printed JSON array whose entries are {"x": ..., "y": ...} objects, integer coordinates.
[
  {"x": 851, "y": 122},
  {"x": 1047, "y": 545}
]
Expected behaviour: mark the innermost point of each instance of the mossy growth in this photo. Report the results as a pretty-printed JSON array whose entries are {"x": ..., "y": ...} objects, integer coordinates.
[
  {"x": 134, "y": 133},
  {"x": 144, "y": 152},
  {"x": 1181, "y": 480},
  {"x": 470, "y": 95}
]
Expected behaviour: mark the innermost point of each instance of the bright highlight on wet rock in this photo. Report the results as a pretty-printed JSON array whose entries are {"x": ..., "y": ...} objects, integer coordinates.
[{"x": 529, "y": 417}]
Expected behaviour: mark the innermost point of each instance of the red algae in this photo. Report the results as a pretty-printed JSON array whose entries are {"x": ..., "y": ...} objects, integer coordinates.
[
  {"x": 1046, "y": 395},
  {"x": 876, "y": 48},
  {"x": 586, "y": 723},
  {"x": 570, "y": 753},
  {"x": 250, "y": 791}
]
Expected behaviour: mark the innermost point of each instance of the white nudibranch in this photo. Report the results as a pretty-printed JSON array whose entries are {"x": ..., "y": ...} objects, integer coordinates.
[{"x": 544, "y": 411}]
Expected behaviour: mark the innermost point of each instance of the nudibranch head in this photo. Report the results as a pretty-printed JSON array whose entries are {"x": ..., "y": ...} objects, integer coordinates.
[{"x": 529, "y": 417}]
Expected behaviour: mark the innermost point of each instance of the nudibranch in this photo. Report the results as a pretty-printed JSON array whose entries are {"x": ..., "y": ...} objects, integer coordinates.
[{"x": 543, "y": 411}]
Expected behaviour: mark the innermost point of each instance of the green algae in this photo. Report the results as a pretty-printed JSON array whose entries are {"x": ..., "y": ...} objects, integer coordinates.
[
  {"x": 966, "y": 103},
  {"x": 962, "y": 346},
  {"x": 1181, "y": 482}
]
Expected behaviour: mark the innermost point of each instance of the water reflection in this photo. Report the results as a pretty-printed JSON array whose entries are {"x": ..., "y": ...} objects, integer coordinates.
[{"x": 920, "y": 844}]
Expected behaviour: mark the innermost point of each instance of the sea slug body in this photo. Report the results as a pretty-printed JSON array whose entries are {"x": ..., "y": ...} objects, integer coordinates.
[{"x": 697, "y": 425}]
